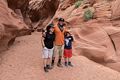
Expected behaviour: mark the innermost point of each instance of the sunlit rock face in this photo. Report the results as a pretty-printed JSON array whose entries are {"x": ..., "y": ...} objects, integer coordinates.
[{"x": 98, "y": 38}]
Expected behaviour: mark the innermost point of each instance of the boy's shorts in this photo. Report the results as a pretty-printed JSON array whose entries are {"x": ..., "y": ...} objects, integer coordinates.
[
  {"x": 67, "y": 53},
  {"x": 47, "y": 53}
]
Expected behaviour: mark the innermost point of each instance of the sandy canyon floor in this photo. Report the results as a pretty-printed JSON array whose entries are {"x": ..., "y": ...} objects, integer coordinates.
[{"x": 23, "y": 62}]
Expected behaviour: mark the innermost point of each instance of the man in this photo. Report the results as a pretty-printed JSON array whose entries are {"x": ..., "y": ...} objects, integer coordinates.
[{"x": 59, "y": 30}]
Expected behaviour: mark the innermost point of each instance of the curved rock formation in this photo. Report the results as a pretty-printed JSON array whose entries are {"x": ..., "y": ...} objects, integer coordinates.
[
  {"x": 42, "y": 9},
  {"x": 15, "y": 13},
  {"x": 10, "y": 26},
  {"x": 98, "y": 38}
]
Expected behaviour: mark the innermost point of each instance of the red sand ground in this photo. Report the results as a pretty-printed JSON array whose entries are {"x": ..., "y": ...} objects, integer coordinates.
[{"x": 23, "y": 62}]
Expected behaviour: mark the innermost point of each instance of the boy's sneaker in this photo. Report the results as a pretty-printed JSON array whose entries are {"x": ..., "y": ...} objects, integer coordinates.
[
  {"x": 59, "y": 65},
  {"x": 66, "y": 64},
  {"x": 70, "y": 64},
  {"x": 48, "y": 67},
  {"x": 45, "y": 69}
]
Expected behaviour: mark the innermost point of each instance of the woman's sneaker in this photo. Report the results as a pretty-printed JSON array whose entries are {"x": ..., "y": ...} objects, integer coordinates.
[
  {"x": 70, "y": 64},
  {"x": 45, "y": 69},
  {"x": 49, "y": 67}
]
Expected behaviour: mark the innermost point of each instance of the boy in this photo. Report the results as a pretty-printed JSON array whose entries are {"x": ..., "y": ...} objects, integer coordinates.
[{"x": 68, "y": 49}]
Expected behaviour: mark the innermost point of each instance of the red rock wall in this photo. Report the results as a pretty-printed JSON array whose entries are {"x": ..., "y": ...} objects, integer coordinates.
[
  {"x": 42, "y": 9},
  {"x": 10, "y": 25},
  {"x": 115, "y": 9},
  {"x": 97, "y": 39}
]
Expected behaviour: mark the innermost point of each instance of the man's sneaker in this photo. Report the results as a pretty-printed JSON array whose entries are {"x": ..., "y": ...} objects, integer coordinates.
[
  {"x": 70, "y": 64},
  {"x": 66, "y": 64},
  {"x": 45, "y": 69},
  {"x": 48, "y": 67},
  {"x": 52, "y": 64},
  {"x": 59, "y": 65}
]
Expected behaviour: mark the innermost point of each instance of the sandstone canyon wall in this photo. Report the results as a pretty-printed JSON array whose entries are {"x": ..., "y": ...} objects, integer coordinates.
[
  {"x": 88, "y": 33},
  {"x": 20, "y": 17},
  {"x": 93, "y": 23},
  {"x": 97, "y": 38},
  {"x": 11, "y": 25}
]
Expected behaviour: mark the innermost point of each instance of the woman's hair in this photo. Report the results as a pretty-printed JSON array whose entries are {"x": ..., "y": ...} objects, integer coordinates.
[{"x": 49, "y": 26}]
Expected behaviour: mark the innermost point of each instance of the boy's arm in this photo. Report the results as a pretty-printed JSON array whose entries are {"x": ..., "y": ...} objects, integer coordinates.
[{"x": 72, "y": 39}]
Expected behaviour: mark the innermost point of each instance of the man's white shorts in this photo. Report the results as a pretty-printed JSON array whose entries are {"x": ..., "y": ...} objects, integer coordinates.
[{"x": 47, "y": 53}]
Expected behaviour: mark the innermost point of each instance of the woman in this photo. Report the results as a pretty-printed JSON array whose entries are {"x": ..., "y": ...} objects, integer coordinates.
[{"x": 47, "y": 43}]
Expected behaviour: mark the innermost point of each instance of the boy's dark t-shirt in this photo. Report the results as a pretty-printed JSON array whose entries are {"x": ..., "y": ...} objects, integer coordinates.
[
  {"x": 68, "y": 42},
  {"x": 49, "y": 40}
]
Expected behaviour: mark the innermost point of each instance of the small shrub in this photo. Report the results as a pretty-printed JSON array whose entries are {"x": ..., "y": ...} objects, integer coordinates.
[
  {"x": 88, "y": 14},
  {"x": 78, "y": 3}
]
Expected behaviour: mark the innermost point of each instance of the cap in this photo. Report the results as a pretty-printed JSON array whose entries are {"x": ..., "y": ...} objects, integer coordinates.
[{"x": 61, "y": 19}]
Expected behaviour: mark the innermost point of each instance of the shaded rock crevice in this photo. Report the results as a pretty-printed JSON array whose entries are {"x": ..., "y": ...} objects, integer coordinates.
[
  {"x": 19, "y": 4},
  {"x": 34, "y": 12},
  {"x": 42, "y": 9},
  {"x": 10, "y": 24}
]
